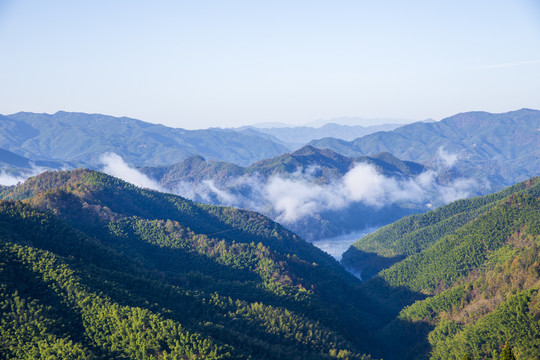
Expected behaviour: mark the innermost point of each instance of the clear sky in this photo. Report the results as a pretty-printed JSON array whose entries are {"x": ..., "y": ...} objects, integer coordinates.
[{"x": 196, "y": 64}]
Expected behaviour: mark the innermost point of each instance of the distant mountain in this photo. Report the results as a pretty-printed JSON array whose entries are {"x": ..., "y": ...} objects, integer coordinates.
[
  {"x": 327, "y": 166},
  {"x": 301, "y": 135},
  {"x": 92, "y": 267},
  {"x": 12, "y": 161},
  {"x": 466, "y": 281},
  {"x": 502, "y": 148},
  {"x": 358, "y": 121},
  {"x": 309, "y": 190},
  {"x": 82, "y": 138}
]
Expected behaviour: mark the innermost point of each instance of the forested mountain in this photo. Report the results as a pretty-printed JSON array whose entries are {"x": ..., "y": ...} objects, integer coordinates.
[
  {"x": 301, "y": 135},
  {"x": 476, "y": 264},
  {"x": 327, "y": 166},
  {"x": 83, "y": 138},
  {"x": 502, "y": 148},
  {"x": 263, "y": 185},
  {"x": 92, "y": 267}
]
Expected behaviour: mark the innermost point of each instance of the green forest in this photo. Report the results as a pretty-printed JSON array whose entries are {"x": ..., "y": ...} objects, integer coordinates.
[
  {"x": 467, "y": 279},
  {"x": 95, "y": 268}
]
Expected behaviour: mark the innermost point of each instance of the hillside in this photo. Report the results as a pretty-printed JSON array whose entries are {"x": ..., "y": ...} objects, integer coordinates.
[
  {"x": 475, "y": 263},
  {"x": 93, "y": 267},
  {"x": 265, "y": 185},
  {"x": 415, "y": 233},
  {"x": 330, "y": 166},
  {"x": 83, "y": 138},
  {"x": 502, "y": 148}
]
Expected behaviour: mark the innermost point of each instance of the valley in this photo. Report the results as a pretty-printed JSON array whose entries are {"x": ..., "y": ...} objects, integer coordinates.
[
  {"x": 304, "y": 254},
  {"x": 269, "y": 180}
]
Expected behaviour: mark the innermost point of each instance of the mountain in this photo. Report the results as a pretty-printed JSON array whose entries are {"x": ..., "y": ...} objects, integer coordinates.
[
  {"x": 465, "y": 278},
  {"x": 301, "y": 135},
  {"x": 355, "y": 121},
  {"x": 9, "y": 160},
  {"x": 93, "y": 267},
  {"x": 330, "y": 166},
  {"x": 501, "y": 148},
  {"x": 293, "y": 177},
  {"x": 83, "y": 138}
]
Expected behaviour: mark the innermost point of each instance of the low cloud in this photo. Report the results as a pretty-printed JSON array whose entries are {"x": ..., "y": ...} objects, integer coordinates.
[
  {"x": 447, "y": 158},
  {"x": 288, "y": 199},
  {"x": 114, "y": 165},
  {"x": 9, "y": 179},
  {"x": 295, "y": 196}
]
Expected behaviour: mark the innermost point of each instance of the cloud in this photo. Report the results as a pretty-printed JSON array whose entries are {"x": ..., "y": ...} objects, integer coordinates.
[
  {"x": 290, "y": 198},
  {"x": 447, "y": 158},
  {"x": 8, "y": 179},
  {"x": 114, "y": 165}
]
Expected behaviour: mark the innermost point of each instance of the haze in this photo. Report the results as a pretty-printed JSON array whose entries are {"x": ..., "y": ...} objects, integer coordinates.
[{"x": 214, "y": 63}]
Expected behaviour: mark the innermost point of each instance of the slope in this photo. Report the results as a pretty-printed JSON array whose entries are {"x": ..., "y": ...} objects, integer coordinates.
[
  {"x": 479, "y": 275},
  {"x": 93, "y": 266},
  {"x": 82, "y": 138},
  {"x": 415, "y": 233},
  {"x": 503, "y": 148}
]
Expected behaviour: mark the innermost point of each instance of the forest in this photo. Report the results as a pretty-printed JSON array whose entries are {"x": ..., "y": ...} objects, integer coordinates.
[{"x": 95, "y": 268}]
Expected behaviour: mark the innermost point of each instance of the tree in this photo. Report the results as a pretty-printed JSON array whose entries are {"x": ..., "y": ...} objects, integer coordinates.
[{"x": 507, "y": 353}]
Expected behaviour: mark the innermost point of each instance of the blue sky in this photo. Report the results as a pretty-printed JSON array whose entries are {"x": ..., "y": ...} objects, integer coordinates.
[{"x": 196, "y": 64}]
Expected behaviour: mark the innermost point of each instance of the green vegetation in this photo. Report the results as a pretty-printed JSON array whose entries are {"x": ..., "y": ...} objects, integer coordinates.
[
  {"x": 482, "y": 282},
  {"x": 415, "y": 233},
  {"x": 92, "y": 267}
]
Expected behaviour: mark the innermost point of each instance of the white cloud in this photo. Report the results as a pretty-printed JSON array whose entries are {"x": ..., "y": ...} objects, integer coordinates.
[
  {"x": 8, "y": 180},
  {"x": 288, "y": 199},
  {"x": 11, "y": 179},
  {"x": 447, "y": 158},
  {"x": 114, "y": 165}
]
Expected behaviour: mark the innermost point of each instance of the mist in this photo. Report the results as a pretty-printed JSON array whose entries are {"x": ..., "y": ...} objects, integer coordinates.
[
  {"x": 114, "y": 165},
  {"x": 9, "y": 179},
  {"x": 294, "y": 198}
]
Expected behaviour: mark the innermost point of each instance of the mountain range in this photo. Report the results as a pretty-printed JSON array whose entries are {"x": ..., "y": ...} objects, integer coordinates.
[
  {"x": 461, "y": 280},
  {"x": 81, "y": 139},
  {"x": 93, "y": 267},
  {"x": 296, "y": 136},
  {"x": 296, "y": 178},
  {"x": 500, "y": 148}
]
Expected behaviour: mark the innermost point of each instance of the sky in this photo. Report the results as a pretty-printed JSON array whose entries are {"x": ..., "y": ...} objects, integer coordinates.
[{"x": 199, "y": 64}]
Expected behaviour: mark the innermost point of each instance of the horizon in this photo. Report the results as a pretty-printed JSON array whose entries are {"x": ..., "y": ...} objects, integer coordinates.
[
  {"x": 228, "y": 65},
  {"x": 315, "y": 124}
]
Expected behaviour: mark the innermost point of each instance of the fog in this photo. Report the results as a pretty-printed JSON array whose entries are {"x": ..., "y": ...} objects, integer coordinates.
[
  {"x": 114, "y": 165},
  {"x": 9, "y": 179},
  {"x": 292, "y": 197}
]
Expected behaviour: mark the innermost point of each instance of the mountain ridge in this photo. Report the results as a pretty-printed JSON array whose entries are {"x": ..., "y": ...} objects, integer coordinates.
[
  {"x": 503, "y": 148},
  {"x": 82, "y": 138}
]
